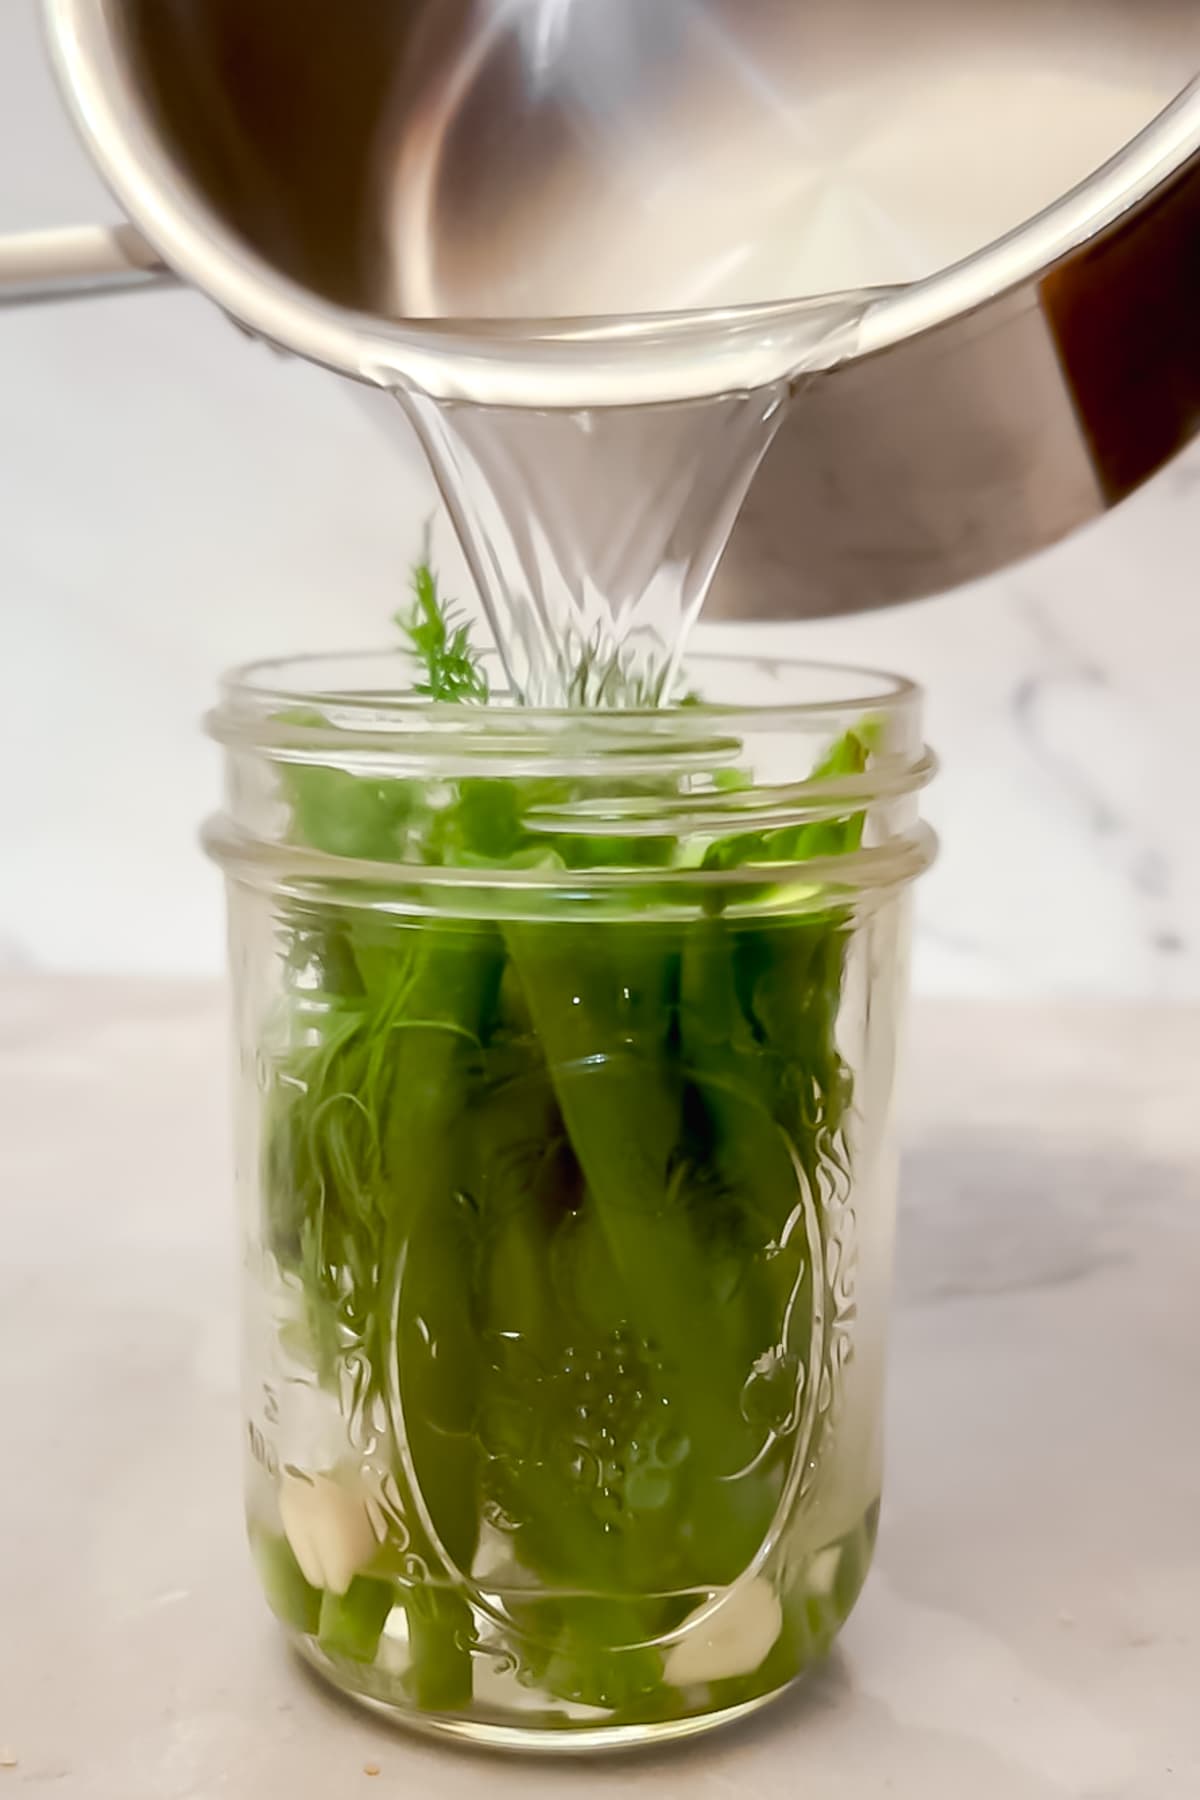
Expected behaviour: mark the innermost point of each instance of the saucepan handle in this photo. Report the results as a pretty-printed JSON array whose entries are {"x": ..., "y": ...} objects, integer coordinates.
[{"x": 75, "y": 263}]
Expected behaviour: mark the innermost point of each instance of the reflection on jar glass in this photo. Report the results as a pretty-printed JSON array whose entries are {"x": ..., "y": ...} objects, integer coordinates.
[{"x": 566, "y": 1181}]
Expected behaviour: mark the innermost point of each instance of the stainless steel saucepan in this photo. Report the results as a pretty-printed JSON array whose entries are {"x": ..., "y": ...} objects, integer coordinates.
[{"x": 569, "y": 202}]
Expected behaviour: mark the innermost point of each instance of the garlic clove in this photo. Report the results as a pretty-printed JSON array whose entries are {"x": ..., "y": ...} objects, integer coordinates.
[
  {"x": 327, "y": 1522},
  {"x": 733, "y": 1639}
]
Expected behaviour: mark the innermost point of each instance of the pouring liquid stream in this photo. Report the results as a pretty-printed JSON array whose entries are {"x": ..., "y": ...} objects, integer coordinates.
[{"x": 592, "y": 534}]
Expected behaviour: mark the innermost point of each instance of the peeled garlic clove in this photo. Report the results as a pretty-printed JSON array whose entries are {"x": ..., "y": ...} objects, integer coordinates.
[
  {"x": 328, "y": 1525},
  {"x": 734, "y": 1639}
]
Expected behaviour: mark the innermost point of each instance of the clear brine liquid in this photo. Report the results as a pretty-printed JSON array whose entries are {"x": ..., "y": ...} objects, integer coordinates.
[{"x": 593, "y": 534}]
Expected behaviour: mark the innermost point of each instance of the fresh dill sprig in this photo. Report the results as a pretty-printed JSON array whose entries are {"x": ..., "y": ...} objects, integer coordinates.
[
  {"x": 441, "y": 639},
  {"x": 595, "y": 672},
  {"x": 591, "y": 672}
]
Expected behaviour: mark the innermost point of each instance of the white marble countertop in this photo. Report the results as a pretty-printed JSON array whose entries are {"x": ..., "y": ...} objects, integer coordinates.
[{"x": 1029, "y": 1633}]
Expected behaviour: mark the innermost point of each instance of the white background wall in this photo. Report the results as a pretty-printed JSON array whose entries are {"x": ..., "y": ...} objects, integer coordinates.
[{"x": 173, "y": 499}]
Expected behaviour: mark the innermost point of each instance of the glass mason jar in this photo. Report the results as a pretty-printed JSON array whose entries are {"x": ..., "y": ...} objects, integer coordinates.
[{"x": 566, "y": 1047}]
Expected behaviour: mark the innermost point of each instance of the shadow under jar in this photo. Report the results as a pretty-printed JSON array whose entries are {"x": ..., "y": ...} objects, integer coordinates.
[{"x": 566, "y": 1047}]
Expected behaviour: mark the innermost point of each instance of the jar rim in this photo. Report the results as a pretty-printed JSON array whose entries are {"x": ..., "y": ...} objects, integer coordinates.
[
  {"x": 695, "y": 775},
  {"x": 260, "y": 700}
]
